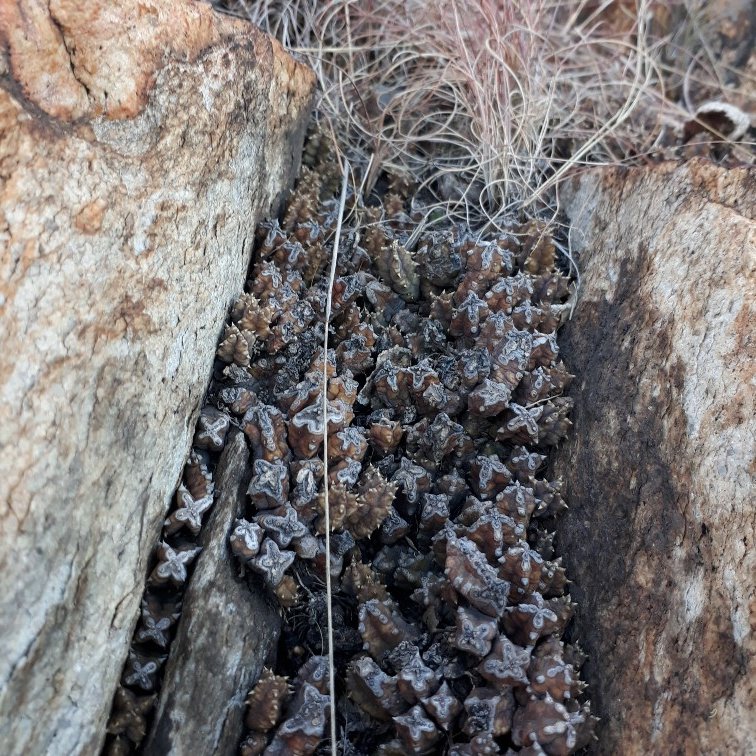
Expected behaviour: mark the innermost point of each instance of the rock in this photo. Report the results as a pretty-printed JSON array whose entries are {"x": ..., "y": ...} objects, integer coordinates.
[
  {"x": 140, "y": 141},
  {"x": 659, "y": 538},
  {"x": 225, "y": 634}
]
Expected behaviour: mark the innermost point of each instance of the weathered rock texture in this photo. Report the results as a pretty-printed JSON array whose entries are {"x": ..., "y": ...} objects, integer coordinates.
[
  {"x": 225, "y": 634},
  {"x": 659, "y": 539},
  {"x": 139, "y": 142}
]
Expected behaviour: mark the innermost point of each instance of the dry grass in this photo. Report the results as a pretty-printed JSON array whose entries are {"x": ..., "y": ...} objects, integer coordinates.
[{"x": 489, "y": 103}]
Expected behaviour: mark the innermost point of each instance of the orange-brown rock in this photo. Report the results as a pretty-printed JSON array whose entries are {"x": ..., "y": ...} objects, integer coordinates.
[
  {"x": 139, "y": 142},
  {"x": 659, "y": 471}
]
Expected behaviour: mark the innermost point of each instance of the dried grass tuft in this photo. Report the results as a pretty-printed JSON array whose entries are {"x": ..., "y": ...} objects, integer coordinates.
[{"x": 489, "y": 103}]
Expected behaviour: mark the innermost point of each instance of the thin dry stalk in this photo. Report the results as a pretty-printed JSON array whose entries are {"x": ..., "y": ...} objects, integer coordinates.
[{"x": 326, "y": 505}]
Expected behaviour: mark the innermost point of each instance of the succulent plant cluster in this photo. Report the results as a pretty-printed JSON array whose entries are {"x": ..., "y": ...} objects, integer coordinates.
[{"x": 444, "y": 392}]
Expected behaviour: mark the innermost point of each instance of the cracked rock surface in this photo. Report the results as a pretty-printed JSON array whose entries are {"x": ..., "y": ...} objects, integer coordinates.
[{"x": 134, "y": 165}]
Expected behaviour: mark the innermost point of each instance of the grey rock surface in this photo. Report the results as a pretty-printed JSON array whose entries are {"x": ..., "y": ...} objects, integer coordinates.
[
  {"x": 659, "y": 472},
  {"x": 139, "y": 141},
  {"x": 224, "y": 637}
]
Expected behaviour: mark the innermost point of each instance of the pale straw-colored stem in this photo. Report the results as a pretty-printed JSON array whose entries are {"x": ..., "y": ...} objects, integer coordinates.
[{"x": 326, "y": 505}]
